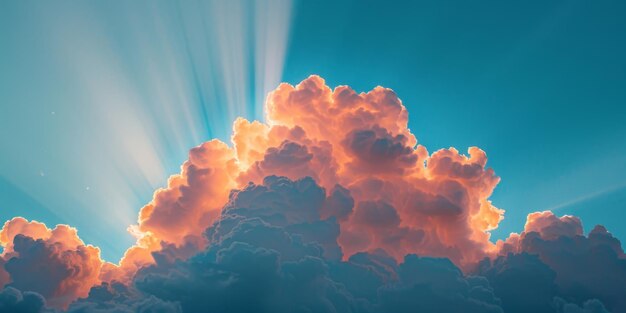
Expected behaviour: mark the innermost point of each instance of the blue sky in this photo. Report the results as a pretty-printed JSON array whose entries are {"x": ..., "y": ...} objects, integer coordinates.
[{"x": 99, "y": 102}]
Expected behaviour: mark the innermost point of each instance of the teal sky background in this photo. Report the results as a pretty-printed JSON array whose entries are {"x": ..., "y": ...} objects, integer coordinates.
[{"x": 100, "y": 101}]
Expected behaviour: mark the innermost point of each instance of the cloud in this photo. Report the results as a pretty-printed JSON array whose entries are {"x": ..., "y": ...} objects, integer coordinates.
[
  {"x": 330, "y": 205},
  {"x": 589, "y": 306},
  {"x": 268, "y": 247},
  {"x": 359, "y": 142},
  {"x": 436, "y": 285},
  {"x": 551, "y": 227},
  {"x": 16, "y": 301},
  {"x": 19, "y": 225},
  {"x": 585, "y": 267},
  {"x": 118, "y": 298},
  {"x": 55, "y": 263},
  {"x": 521, "y": 281},
  {"x": 441, "y": 200},
  {"x": 4, "y": 276}
]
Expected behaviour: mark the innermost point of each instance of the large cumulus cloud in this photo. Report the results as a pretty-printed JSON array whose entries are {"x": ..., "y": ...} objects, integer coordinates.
[
  {"x": 360, "y": 142},
  {"x": 439, "y": 203},
  {"x": 436, "y": 285},
  {"x": 330, "y": 205},
  {"x": 440, "y": 200}
]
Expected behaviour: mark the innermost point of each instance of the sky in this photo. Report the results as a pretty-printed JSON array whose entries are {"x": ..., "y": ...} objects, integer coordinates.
[{"x": 101, "y": 101}]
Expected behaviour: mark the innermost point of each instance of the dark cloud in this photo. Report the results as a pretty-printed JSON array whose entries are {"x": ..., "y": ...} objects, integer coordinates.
[
  {"x": 4, "y": 276},
  {"x": 364, "y": 273},
  {"x": 552, "y": 258},
  {"x": 521, "y": 281},
  {"x": 278, "y": 201},
  {"x": 118, "y": 298},
  {"x": 273, "y": 249},
  {"x": 16, "y": 301},
  {"x": 379, "y": 150},
  {"x": 436, "y": 285},
  {"x": 35, "y": 259},
  {"x": 276, "y": 215},
  {"x": 455, "y": 169},
  {"x": 265, "y": 255},
  {"x": 589, "y": 306},
  {"x": 586, "y": 266},
  {"x": 64, "y": 268},
  {"x": 244, "y": 278}
]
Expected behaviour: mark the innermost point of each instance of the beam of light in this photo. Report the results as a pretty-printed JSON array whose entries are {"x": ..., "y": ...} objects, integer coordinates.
[
  {"x": 585, "y": 198},
  {"x": 272, "y": 29},
  {"x": 149, "y": 81}
]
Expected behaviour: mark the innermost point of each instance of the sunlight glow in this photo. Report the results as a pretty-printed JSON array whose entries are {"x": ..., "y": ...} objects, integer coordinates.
[{"x": 178, "y": 75}]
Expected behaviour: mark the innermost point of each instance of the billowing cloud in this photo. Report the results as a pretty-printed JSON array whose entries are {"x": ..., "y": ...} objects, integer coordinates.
[
  {"x": 269, "y": 244},
  {"x": 362, "y": 142},
  {"x": 4, "y": 276},
  {"x": 119, "y": 298},
  {"x": 521, "y": 281},
  {"x": 357, "y": 142},
  {"x": 272, "y": 247},
  {"x": 585, "y": 267},
  {"x": 16, "y": 301},
  {"x": 330, "y": 205},
  {"x": 194, "y": 197},
  {"x": 436, "y": 285},
  {"x": 589, "y": 306},
  {"x": 54, "y": 263}
]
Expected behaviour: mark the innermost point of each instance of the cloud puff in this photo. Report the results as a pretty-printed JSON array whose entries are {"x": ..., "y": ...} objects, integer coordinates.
[
  {"x": 521, "y": 281},
  {"x": 52, "y": 262},
  {"x": 16, "y": 301},
  {"x": 589, "y": 306},
  {"x": 436, "y": 285},
  {"x": 192, "y": 198},
  {"x": 4, "y": 276},
  {"x": 266, "y": 254},
  {"x": 119, "y": 298},
  {"x": 585, "y": 267}
]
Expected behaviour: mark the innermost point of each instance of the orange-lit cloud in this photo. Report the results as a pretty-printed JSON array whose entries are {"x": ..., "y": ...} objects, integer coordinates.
[
  {"x": 360, "y": 142},
  {"x": 52, "y": 262},
  {"x": 438, "y": 203},
  {"x": 544, "y": 224}
]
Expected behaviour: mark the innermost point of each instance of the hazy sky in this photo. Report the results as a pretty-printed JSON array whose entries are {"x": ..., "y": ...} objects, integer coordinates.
[{"x": 100, "y": 101}]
